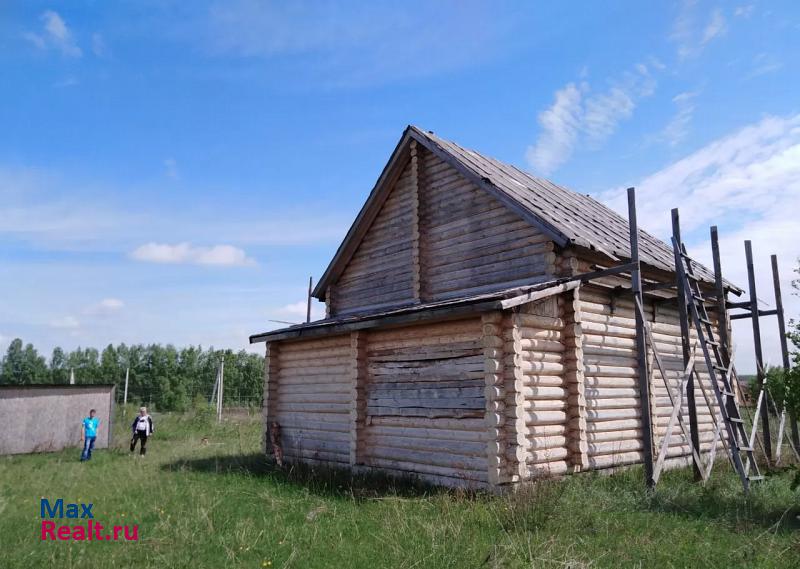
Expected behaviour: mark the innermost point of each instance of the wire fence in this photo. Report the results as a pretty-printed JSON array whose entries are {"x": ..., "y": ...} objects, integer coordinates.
[{"x": 160, "y": 399}]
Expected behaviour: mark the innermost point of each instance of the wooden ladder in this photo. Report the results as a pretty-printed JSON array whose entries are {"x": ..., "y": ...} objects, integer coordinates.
[{"x": 719, "y": 373}]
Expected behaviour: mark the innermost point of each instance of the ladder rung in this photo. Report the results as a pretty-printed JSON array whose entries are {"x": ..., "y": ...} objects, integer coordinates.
[
  {"x": 745, "y": 449},
  {"x": 728, "y": 393},
  {"x": 719, "y": 368},
  {"x": 691, "y": 276},
  {"x": 705, "y": 320},
  {"x": 735, "y": 420},
  {"x": 698, "y": 297},
  {"x": 755, "y": 478},
  {"x": 712, "y": 343}
]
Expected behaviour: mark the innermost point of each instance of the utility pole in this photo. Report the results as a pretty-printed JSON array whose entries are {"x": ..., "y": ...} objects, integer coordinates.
[
  {"x": 71, "y": 376},
  {"x": 220, "y": 388},
  {"x": 308, "y": 300},
  {"x": 125, "y": 398}
]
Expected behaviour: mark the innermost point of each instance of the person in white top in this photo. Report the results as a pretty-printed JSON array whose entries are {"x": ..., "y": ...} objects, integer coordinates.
[{"x": 142, "y": 428}]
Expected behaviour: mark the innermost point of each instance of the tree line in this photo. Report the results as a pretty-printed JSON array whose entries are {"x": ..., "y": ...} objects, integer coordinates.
[{"x": 165, "y": 377}]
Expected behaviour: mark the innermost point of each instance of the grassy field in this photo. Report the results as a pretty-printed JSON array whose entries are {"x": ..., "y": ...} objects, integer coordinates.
[{"x": 203, "y": 497}]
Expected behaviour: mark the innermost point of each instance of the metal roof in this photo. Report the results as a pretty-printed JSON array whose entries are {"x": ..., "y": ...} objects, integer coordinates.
[
  {"x": 581, "y": 219},
  {"x": 470, "y": 304}
]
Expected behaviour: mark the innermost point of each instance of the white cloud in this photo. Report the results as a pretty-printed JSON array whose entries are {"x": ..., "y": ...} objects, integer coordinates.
[
  {"x": 560, "y": 126},
  {"x": 66, "y": 323},
  {"x": 37, "y": 207},
  {"x": 56, "y": 34},
  {"x": 763, "y": 64},
  {"x": 714, "y": 28},
  {"x": 578, "y": 113},
  {"x": 69, "y": 81},
  {"x": 747, "y": 183},
  {"x": 358, "y": 43},
  {"x": 99, "y": 47},
  {"x": 605, "y": 111},
  {"x": 106, "y": 307},
  {"x": 171, "y": 168},
  {"x": 744, "y": 11},
  {"x": 678, "y": 127},
  {"x": 298, "y": 310},
  {"x": 186, "y": 253},
  {"x": 691, "y": 33}
]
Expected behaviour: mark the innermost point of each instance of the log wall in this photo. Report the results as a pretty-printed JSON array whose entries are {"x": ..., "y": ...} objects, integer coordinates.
[
  {"x": 380, "y": 272},
  {"x": 611, "y": 380},
  {"x": 425, "y": 401},
  {"x": 310, "y": 396},
  {"x": 439, "y": 236},
  {"x": 537, "y": 333},
  {"x": 469, "y": 241},
  {"x": 543, "y": 389}
]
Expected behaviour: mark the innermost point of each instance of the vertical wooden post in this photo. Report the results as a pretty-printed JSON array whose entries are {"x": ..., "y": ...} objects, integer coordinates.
[
  {"x": 125, "y": 397},
  {"x": 694, "y": 431},
  {"x": 722, "y": 307},
  {"x": 416, "y": 177},
  {"x": 641, "y": 346},
  {"x": 760, "y": 371},
  {"x": 358, "y": 400},
  {"x": 329, "y": 309},
  {"x": 308, "y": 301},
  {"x": 577, "y": 443},
  {"x": 776, "y": 283}
]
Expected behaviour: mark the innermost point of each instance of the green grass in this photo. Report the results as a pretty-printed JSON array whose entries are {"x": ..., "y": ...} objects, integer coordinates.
[{"x": 216, "y": 503}]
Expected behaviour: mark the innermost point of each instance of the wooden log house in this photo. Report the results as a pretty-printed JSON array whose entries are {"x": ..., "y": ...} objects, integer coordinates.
[{"x": 461, "y": 343}]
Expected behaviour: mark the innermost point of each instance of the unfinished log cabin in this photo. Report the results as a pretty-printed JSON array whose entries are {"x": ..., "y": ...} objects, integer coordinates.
[{"x": 470, "y": 337}]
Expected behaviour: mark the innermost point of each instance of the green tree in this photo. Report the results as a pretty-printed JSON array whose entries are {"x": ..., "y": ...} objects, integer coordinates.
[
  {"x": 791, "y": 387},
  {"x": 109, "y": 371},
  {"x": 35, "y": 366},
  {"x": 14, "y": 363},
  {"x": 58, "y": 366}
]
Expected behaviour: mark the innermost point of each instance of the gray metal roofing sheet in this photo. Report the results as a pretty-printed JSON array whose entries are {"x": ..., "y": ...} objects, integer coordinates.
[{"x": 582, "y": 219}]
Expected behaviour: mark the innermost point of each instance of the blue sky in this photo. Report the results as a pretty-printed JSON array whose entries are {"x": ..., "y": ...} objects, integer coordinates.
[{"x": 174, "y": 171}]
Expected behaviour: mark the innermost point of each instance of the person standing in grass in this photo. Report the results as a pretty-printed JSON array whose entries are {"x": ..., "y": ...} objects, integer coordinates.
[
  {"x": 89, "y": 434},
  {"x": 142, "y": 428}
]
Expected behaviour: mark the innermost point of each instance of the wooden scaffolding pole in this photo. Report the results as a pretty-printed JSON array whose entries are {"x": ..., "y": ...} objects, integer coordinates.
[
  {"x": 641, "y": 346},
  {"x": 722, "y": 308},
  {"x": 760, "y": 371},
  {"x": 687, "y": 351},
  {"x": 776, "y": 283}
]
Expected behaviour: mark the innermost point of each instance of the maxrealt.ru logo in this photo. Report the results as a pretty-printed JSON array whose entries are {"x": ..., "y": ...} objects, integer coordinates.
[{"x": 88, "y": 530}]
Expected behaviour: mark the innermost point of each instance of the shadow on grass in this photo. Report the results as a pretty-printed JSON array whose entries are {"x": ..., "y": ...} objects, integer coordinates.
[
  {"x": 771, "y": 504},
  {"x": 327, "y": 481}
]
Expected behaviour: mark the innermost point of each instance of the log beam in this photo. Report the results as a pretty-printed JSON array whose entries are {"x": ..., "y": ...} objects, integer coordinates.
[
  {"x": 576, "y": 441},
  {"x": 358, "y": 403}
]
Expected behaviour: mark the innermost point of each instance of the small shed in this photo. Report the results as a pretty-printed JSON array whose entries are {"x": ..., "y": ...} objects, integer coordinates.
[
  {"x": 47, "y": 417},
  {"x": 460, "y": 343}
]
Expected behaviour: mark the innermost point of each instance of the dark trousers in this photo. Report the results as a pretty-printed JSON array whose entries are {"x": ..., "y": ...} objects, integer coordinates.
[
  {"x": 88, "y": 447},
  {"x": 142, "y": 437}
]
